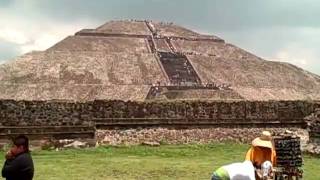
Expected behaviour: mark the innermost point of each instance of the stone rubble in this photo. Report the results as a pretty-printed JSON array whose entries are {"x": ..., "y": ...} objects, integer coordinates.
[
  {"x": 184, "y": 136},
  {"x": 313, "y": 148},
  {"x": 76, "y": 144}
]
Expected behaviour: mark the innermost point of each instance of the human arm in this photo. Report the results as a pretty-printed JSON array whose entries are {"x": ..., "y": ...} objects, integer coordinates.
[
  {"x": 274, "y": 158},
  {"x": 9, "y": 155},
  {"x": 249, "y": 155}
]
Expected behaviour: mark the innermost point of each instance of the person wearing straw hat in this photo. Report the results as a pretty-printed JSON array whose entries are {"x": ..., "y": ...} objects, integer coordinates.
[{"x": 262, "y": 150}]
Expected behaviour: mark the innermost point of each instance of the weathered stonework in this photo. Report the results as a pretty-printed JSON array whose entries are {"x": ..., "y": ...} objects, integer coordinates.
[
  {"x": 121, "y": 60},
  {"x": 72, "y": 118},
  {"x": 161, "y": 81},
  {"x": 185, "y": 136},
  {"x": 313, "y": 122}
]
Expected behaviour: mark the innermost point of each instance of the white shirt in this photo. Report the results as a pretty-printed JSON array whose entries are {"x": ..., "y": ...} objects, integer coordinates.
[{"x": 240, "y": 171}]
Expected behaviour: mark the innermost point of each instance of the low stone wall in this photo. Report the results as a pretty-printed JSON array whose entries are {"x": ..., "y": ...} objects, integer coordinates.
[
  {"x": 55, "y": 113},
  {"x": 184, "y": 136},
  {"x": 44, "y": 113},
  {"x": 189, "y": 114},
  {"x": 193, "y": 110}
]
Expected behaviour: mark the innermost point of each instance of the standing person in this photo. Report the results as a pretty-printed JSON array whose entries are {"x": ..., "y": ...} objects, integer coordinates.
[
  {"x": 18, "y": 164},
  {"x": 235, "y": 171},
  {"x": 262, "y": 150}
]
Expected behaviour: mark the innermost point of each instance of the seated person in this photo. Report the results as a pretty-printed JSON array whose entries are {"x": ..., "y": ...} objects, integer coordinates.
[
  {"x": 235, "y": 171},
  {"x": 262, "y": 150}
]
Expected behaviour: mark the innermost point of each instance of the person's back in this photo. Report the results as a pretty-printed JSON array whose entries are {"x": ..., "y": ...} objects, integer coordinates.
[
  {"x": 18, "y": 164},
  {"x": 241, "y": 171},
  {"x": 258, "y": 155},
  {"x": 235, "y": 171}
]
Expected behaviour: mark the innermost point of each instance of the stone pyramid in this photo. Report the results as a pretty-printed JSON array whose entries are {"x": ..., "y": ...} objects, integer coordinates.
[{"x": 145, "y": 60}]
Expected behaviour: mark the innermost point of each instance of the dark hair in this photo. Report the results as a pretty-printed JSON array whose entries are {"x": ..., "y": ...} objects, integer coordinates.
[{"x": 22, "y": 140}]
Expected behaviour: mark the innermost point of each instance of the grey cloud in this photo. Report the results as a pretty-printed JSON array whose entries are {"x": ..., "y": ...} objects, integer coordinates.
[
  {"x": 217, "y": 14},
  {"x": 8, "y": 51},
  {"x": 4, "y": 3},
  {"x": 267, "y": 43}
]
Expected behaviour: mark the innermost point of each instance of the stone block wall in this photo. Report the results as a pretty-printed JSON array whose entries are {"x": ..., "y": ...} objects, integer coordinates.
[
  {"x": 44, "y": 113},
  {"x": 190, "y": 114},
  {"x": 55, "y": 113},
  {"x": 282, "y": 111}
]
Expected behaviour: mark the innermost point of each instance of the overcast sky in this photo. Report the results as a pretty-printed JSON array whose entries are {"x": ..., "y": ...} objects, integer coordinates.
[{"x": 281, "y": 30}]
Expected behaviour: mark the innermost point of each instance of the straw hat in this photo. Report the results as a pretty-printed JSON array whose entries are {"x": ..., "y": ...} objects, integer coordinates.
[{"x": 264, "y": 140}]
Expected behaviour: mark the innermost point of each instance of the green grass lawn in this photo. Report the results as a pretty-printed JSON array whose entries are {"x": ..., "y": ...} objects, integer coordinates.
[{"x": 142, "y": 162}]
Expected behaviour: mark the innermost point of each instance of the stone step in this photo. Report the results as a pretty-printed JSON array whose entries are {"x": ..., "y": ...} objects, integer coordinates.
[
  {"x": 178, "y": 68},
  {"x": 56, "y": 132},
  {"x": 51, "y": 135}
]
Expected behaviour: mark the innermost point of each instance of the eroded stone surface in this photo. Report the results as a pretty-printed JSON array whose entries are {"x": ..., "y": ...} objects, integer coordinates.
[
  {"x": 102, "y": 77},
  {"x": 125, "y": 55},
  {"x": 184, "y": 136}
]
